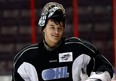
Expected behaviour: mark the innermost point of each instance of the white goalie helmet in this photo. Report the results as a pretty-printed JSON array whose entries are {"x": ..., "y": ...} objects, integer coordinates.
[{"x": 48, "y": 11}]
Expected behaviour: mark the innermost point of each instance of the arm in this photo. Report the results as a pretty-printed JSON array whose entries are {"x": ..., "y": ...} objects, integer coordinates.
[
  {"x": 99, "y": 67},
  {"x": 103, "y": 70},
  {"x": 19, "y": 63},
  {"x": 28, "y": 72}
]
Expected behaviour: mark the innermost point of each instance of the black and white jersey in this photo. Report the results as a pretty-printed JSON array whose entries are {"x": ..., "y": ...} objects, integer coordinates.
[{"x": 73, "y": 60}]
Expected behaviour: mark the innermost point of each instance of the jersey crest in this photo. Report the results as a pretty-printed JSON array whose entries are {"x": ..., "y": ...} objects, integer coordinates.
[
  {"x": 66, "y": 57},
  {"x": 55, "y": 73}
]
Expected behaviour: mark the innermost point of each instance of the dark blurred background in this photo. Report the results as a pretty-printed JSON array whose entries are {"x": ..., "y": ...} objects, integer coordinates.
[{"x": 95, "y": 24}]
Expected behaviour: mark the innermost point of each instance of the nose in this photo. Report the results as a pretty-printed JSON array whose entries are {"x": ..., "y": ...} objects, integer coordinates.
[{"x": 56, "y": 31}]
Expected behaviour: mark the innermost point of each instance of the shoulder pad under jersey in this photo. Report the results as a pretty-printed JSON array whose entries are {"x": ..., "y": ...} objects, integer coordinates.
[{"x": 81, "y": 41}]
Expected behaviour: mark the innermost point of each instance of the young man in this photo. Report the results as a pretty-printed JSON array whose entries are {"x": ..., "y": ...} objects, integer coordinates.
[{"x": 57, "y": 58}]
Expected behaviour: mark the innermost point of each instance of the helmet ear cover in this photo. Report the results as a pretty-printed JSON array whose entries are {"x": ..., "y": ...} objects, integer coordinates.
[{"x": 49, "y": 11}]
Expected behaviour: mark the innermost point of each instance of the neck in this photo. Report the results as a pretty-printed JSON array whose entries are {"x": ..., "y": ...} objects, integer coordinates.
[{"x": 49, "y": 47}]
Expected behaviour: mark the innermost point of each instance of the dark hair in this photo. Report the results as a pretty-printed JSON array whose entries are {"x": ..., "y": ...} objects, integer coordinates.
[{"x": 57, "y": 17}]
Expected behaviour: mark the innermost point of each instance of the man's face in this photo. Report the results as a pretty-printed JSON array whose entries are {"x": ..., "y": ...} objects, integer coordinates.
[{"x": 53, "y": 33}]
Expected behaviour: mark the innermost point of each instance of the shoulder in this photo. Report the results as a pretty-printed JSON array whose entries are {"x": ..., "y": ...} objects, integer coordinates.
[
  {"x": 25, "y": 49},
  {"x": 72, "y": 40},
  {"x": 83, "y": 43}
]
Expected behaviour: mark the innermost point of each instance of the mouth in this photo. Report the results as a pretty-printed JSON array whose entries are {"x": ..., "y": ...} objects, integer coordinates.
[{"x": 55, "y": 36}]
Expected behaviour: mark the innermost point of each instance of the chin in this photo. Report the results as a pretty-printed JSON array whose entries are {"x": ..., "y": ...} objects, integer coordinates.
[{"x": 55, "y": 41}]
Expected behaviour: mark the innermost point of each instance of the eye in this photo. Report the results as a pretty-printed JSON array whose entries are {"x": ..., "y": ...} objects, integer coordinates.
[
  {"x": 52, "y": 27},
  {"x": 60, "y": 28}
]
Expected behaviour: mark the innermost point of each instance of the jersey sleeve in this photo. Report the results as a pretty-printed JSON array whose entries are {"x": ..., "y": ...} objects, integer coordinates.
[
  {"x": 99, "y": 62},
  {"x": 19, "y": 59},
  {"x": 28, "y": 72}
]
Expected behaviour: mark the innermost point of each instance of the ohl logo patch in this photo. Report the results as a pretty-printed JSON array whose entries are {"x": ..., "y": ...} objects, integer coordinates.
[{"x": 55, "y": 73}]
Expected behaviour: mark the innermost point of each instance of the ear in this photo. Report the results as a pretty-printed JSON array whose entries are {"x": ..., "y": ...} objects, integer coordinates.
[{"x": 43, "y": 30}]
